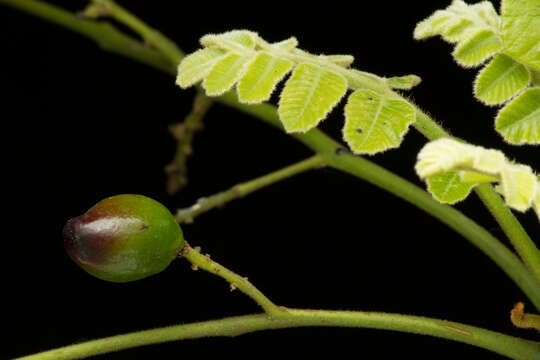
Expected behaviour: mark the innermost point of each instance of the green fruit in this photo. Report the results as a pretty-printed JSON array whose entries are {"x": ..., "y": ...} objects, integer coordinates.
[{"x": 124, "y": 238}]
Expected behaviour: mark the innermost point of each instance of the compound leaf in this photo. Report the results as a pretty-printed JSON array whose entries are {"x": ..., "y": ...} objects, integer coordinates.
[
  {"x": 261, "y": 77},
  {"x": 458, "y": 21},
  {"x": 500, "y": 80},
  {"x": 448, "y": 187},
  {"x": 309, "y": 94},
  {"x": 517, "y": 183},
  {"x": 521, "y": 30},
  {"x": 317, "y": 84},
  {"x": 519, "y": 121},
  {"x": 194, "y": 67},
  {"x": 225, "y": 74},
  {"x": 478, "y": 48},
  {"x": 375, "y": 123}
]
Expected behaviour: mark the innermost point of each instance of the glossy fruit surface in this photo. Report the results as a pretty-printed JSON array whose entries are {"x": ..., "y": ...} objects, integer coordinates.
[{"x": 124, "y": 238}]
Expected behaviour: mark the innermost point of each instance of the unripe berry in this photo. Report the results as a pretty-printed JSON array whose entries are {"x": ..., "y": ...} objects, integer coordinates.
[{"x": 123, "y": 238}]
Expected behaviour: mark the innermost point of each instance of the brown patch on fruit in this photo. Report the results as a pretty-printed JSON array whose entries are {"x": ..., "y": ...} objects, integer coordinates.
[{"x": 84, "y": 245}]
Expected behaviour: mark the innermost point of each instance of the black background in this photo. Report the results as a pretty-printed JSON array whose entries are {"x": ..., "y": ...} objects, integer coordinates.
[{"x": 80, "y": 124}]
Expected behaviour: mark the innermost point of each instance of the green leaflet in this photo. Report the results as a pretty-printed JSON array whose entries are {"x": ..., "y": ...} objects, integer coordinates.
[
  {"x": 519, "y": 121},
  {"x": 341, "y": 60},
  {"x": 518, "y": 186},
  {"x": 448, "y": 187},
  {"x": 374, "y": 123},
  {"x": 261, "y": 77},
  {"x": 286, "y": 44},
  {"x": 403, "y": 82},
  {"x": 433, "y": 25},
  {"x": 500, "y": 80},
  {"x": 485, "y": 11},
  {"x": 520, "y": 17},
  {"x": 457, "y": 30},
  {"x": 225, "y": 74},
  {"x": 536, "y": 201},
  {"x": 443, "y": 155},
  {"x": 308, "y": 96},
  {"x": 194, "y": 67},
  {"x": 236, "y": 40},
  {"x": 477, "y": 48}
]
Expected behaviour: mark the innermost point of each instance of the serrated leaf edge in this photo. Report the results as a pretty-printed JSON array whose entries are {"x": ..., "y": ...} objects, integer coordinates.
[
  {"x": 505, "y": 108},
  {"x": 378, "y": 151},
  {"x": 480, "y": 74},
  {"x": 327, "y": 111},
  {"x": 488, "y": 55},
  {"x": 287, "y": 50},
  {"x": 430, "y": 188}
]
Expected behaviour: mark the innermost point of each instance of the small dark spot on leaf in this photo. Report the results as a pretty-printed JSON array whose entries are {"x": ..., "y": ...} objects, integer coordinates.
[
  {"x": 359, "y": 130},
  {"x": 370, "y": 98},
  {"x": 144, "y": 227},
  {"x": 340, "y": 151},
  {"x": 384, "y": 123}
]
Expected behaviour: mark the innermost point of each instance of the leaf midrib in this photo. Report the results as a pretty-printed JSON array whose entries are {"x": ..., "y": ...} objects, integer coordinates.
[
  {"x": 316, "y": 81},
  {"x": 376, "y": 118},
  {"x": 501, "y": 77}
]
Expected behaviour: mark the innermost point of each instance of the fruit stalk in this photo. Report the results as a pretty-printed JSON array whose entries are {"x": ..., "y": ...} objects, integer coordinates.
[{"x": 200, "y": 261}]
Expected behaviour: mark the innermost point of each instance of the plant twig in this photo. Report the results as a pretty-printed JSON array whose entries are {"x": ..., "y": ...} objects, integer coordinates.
[
  {"x": 105, "y": 35},
  {"x": 522, "y": 242},
  {"x": 112, "y": 41},
  {"x": 355, "y": 165},
  {"x": 512, "y": 347},
  {"x": 245, "y": 188},
  {"x": 522, "y": 320},
  {"x": 184, "y": 132},
  {"x": 335, "y": 156},
  {"x": 151, "y": 36},
  {"x": 503, "y": 344},
  {"x": 200, "y": 261}
]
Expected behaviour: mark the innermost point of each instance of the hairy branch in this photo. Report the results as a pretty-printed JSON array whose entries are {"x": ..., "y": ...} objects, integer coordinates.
[
  {"x": 200, "y": 261},
  {"x": 165, "y": 59},
  {"x": 204, "y": 204},
  {"x": 184, "y": 132},
  {"x": 503, "y": 344}
]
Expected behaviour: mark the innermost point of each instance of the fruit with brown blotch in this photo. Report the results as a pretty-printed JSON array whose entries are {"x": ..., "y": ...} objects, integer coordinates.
[{"x": 124, "y": 238}]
